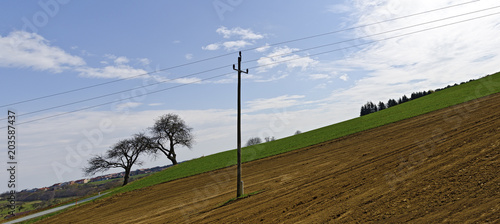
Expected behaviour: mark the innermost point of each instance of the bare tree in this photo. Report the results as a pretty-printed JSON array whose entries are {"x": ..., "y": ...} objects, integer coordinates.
[
  {"x": 123, "y": 154},
  {"x": 254, "y": 141},
  {"x": 298, "y": 132},
  {"x": 269, "y": 139},
  {"x": 168, "y": 132}
]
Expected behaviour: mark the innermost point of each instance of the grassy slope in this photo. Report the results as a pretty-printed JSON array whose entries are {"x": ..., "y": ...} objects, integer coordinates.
[
  {"x": 438, "y": 100},
  {"x": 27, "y": 206}
]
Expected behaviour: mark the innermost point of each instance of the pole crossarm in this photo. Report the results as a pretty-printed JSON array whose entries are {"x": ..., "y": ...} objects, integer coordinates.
[{"x": 239, "y": 66}]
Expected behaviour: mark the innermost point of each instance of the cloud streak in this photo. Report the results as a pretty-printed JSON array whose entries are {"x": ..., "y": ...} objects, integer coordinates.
[
  {"x": 241, "y": 38},
  {"x": 421, "y": 61},
  {"x": 272, "y": 103},
  {"x": 245, "y": 34},
  {"x": 114, "y": 71},
  {"x": 23, "y": 49},
  {"x": 284, "y": 55}
]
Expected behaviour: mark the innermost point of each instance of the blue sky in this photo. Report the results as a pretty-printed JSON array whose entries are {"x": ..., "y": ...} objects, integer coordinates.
[{"x": 53, "y": 46}]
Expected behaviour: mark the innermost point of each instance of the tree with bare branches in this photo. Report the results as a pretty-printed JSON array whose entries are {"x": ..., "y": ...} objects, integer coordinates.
[
  {"x": 253, "y": 141},
  {"x": 123, "y": 154},
  {"x": 168, "y": 132}
]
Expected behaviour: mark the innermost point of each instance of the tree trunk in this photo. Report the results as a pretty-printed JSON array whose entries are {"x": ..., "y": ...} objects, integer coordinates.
[
  {"x": 172, "y": 152},
  {"x": 170, "y": 156},
  {"x": 125, "y": 178}
]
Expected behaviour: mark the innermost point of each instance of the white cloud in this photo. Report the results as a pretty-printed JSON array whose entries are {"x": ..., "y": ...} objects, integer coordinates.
[
  {"x": 224, "y": 81},
  {"x": 242, "y": 38},
  {"x": 124, "y": 106},
  {"x": 320, "y": 86},
  {"x": 344, "y": 77},
  {"x": 22, "y": 49},
  {"x": 284, "y": 55},
  {"x": 319, "y": 76},
  {"x": 250, "y": 77},
  {"x": 187, "y": 80},
  {"x": 339, "y": 8},
  {"x": 235, "y": 45},
  {"x": 121, "y": 60},
  {"x": 228, "y": 45},
  {"x": 263, "y": 48},
  {"x": 117, "y": 71},
  {"x": 272, "y": 103},
  {"x": 272, "y": 79},
  {"x": 144, "y": 61},
  {"x": 110, "y": 56},
  {"x": 86, "y": 53},
  {"x": 420, "y": 61},
  {"x": 188, "y": 56},
  {"x": 155, "y": 104},
  {"x": 240, "y": 32},
  {"x": 211, "y": 47}
]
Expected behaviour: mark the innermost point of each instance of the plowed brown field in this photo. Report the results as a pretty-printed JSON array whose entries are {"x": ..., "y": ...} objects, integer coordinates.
[{"x": 440, "y": 167}]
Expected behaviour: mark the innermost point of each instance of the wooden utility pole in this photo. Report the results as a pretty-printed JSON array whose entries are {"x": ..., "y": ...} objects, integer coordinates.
[{"x": 239, "y": 182}]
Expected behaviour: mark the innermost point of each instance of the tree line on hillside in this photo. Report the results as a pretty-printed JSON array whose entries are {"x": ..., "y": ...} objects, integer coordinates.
[
  {"x": 370, "y": 107},
  {"x": 256, "y": 140},
  {"x": 168, "y": 132}
]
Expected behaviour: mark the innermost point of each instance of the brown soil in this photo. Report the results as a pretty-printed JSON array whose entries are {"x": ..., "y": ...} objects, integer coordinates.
[{"x": 439, "y": 167}]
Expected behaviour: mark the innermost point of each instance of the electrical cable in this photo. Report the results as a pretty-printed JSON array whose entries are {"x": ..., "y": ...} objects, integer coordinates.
[
  {"x": 120, "y": 100},
  {"x": 385, "y": 32},
  {"x": 227, "y": 54},
  {"x": 115, "y": 93},
  {"x": 218, "y": 68},
  {"x": 325, "y": 52}
]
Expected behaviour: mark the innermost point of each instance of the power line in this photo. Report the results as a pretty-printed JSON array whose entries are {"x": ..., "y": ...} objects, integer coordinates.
[
  {"x": 117, "y": 80},
  {"x": 383, "y": 39},
  {"x": 385, "y": 32},
  {"x": 115, "y": 93},
  {"x": 117, "y": 101},
  {"x": 218, "y": 68},
  {"x": 114, "y": 81},
  {"x": 213, "y": 77},
  {"x": 227, "y": 54},
  {"x": 366, "y": 25}
]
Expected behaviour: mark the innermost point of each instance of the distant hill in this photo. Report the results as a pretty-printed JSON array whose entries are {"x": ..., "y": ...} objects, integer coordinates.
[{"x": 40, "y": 198}]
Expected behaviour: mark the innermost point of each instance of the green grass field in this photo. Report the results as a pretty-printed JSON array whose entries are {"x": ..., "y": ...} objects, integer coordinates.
[
  {"x": 27, "y": 206},
  {"x": 438, "y": 100}
]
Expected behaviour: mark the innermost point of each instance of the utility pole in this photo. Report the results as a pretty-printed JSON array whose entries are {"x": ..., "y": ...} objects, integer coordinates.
[{"x": 239, "y": 182}]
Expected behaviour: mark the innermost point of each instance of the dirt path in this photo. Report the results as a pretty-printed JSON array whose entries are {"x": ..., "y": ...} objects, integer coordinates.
[{"x": 440, "y": 167}]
